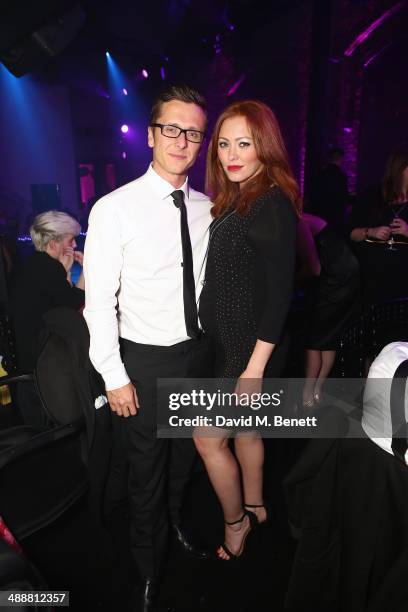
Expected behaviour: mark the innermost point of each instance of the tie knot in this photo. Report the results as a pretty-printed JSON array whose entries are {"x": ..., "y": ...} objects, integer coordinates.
[{"x": 178, "y": 197}]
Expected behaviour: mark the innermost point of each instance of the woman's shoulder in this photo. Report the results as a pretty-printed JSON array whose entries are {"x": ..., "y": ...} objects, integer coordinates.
[
  {"x": 279, "y": 196},
  {"x": 41, "y": 259},
  {"x": 276, "y": 202},
  {"x": 44, "y": 267},
  {"x": 33, "y": 274},
  {"x": 273, "y": 217},
  {"x": 35, "y": 263}
]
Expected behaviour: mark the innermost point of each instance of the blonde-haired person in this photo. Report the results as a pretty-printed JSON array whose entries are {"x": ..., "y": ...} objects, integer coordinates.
[
  {"x": 44, "y": 283},
  {"x": 54, "y": 232},
  {"x": 247, "y": 293}
]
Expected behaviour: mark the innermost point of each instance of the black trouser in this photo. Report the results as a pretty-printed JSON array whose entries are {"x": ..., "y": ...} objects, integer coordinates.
[{"x": 143, "y": 459}]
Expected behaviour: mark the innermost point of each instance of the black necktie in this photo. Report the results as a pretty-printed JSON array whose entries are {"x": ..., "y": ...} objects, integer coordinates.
[{"x": 189, "y": 296}]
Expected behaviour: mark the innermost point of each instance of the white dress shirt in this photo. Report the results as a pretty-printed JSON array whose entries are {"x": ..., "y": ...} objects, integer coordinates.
[
  {"x": 376, "y": 420},
  {"x": 133, "y": 269}
]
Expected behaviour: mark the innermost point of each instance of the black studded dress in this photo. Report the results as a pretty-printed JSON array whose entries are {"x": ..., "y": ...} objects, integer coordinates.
[{"x": 249, "y": 280}]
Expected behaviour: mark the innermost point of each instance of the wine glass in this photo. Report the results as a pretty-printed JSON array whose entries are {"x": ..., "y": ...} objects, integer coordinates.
[{"x": 391, "y": 241}]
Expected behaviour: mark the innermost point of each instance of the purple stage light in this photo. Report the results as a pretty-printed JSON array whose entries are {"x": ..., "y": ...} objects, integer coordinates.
[
  {"x": 125, "y": 91},
  {"x": 163, "y": 73},
  {"x": 145, "y": 74},
  {"x": 347, "y": 130},
  {"x": 124, "y": 128},
  {"x": 377, "y": 55},
  {"x": 217, "y": 44},
  {"x": 372, "y": 27},
  {"x": 235, "y": 86},
  {"x": 124, "y": 155}
]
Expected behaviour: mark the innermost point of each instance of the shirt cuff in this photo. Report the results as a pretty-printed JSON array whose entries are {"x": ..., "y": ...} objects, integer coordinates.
[{"x": 115, "y": 378}]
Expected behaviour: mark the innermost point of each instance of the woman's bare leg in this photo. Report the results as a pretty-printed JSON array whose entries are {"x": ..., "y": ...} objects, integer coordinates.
[
  {"x": 249, "y": 449},
  {"x": 313, "y": 367},
  {"x": 223, "y": 471},
  {"x": 328, "y": 359}
]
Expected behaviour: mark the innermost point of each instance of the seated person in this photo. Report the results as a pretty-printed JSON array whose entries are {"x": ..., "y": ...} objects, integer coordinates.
[
  {"x": 348, "y": 501},
  {"x": 380, "y": 419},
  {"x": 44, "y": 283}
]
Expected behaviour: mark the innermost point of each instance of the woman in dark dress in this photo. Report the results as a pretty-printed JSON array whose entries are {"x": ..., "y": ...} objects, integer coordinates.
[
  {"x": 379, "y": 230},
  {"x": 332, "y": 298},
  {"x": 247, "y": 292}
]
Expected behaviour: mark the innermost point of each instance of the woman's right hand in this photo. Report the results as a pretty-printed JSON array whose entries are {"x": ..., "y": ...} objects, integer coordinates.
[
  {"x": 67, "y": 259},
  {"x": 379, "y": 233},
  {"x": 79, "y": 258}
]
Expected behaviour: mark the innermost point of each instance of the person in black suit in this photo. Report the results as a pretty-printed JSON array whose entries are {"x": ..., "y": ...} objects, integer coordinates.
[{"x": 144, "y": 257}]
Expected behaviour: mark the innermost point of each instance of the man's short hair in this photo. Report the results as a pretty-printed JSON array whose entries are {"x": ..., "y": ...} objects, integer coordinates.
[
  {"x": 183, "y": 93},
  {"x": 52, "y": 225}
]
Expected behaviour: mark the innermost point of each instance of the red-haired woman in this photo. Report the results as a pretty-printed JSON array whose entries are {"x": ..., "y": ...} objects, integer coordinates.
[{"x": 248, "y": 290}]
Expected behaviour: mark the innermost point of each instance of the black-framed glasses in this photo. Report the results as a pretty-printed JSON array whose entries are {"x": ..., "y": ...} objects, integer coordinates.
[{"x": 172, "y": 131}]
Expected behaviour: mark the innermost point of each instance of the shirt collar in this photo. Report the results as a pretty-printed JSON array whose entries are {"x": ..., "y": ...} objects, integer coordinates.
[{"x": 162, "y": 187}]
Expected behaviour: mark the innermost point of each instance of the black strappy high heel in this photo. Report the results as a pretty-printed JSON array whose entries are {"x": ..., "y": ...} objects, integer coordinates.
[
  {"x": 268, "y": 509},
  {"x": 238, "y": 554}
]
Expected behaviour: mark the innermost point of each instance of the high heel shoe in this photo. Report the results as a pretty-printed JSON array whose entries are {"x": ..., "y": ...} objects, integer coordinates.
[
  {"x": 238, "y": 554},
  {"x": 309, "y": 404},
  {"x": 268, "y": 510}
]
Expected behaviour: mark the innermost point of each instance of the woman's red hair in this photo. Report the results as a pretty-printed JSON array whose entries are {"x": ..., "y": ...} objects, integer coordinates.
[{"x": 271, "y": 151}]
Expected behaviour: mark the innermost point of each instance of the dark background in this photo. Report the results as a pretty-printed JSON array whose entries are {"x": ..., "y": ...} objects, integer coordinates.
[{"x": 67, "y": 109}]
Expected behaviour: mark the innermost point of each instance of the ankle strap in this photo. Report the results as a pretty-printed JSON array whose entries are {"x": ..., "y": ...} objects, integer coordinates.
[
  {"x": 238, "y": 521},
  {"x": 254, "y": 505}
]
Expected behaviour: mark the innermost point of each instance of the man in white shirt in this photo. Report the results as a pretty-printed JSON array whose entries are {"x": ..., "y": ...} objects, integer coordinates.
[{"x": 140, "y": 327}]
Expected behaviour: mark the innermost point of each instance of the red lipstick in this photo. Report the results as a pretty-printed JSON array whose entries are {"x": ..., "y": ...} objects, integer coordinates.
[{"x": 234, "y": 168}]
